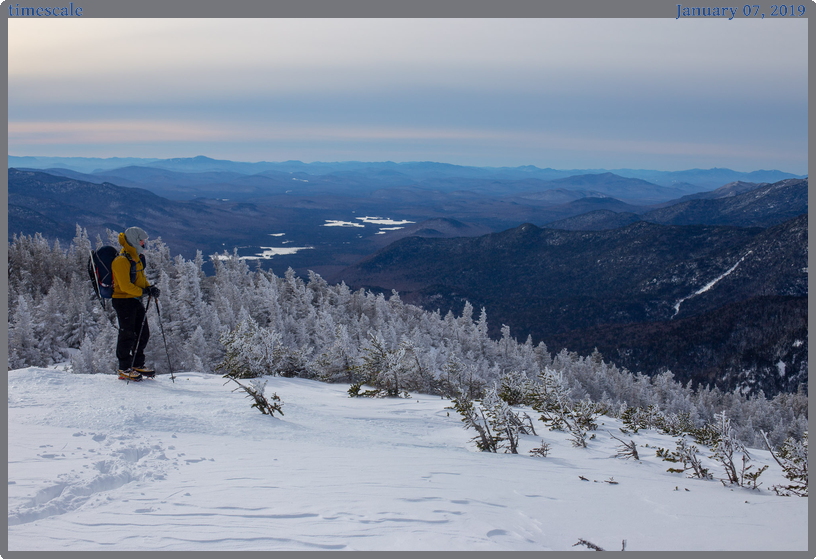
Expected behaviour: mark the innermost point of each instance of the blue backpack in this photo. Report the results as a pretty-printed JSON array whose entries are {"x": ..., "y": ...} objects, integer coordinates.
[{"x": 101, "y": 272}]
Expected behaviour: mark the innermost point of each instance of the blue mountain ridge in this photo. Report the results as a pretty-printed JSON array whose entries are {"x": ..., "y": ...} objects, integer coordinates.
[{"x": 687, "y": 179}]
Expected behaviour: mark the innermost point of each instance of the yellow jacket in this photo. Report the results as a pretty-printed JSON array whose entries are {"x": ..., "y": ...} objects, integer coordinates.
[{"x": 123, "y": 287}]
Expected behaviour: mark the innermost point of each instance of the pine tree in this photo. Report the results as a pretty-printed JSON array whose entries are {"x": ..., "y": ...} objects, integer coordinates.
[
  {"x": 386, "y": 369},
  {"x": 516, "y": 388},
  {"x": 250, "y": 350},
  {"x": 793, "y": 458},
  {"x": 80, "y": 311},
  {"x": 197, "y": 352},
  {"x": 501, "y": 418},
  {"x": 22, "y": 344},
  {"x": 97, "y": 353},
  {"x": 552, "y": 399},
  {"x": 50, "y": 324}
]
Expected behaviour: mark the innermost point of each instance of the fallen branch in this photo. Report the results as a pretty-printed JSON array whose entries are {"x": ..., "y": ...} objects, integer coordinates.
[
  {"x": 256, "y": 393},
  {"x": 590, "y": 545},
  {"x": 626, "y": 450}
]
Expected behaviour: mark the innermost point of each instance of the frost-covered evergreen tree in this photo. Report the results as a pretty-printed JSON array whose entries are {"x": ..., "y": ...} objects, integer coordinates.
[
  {"x": 473, "y": 416},
  {"x": 516, "y": 388},
  {"x": 51, "y": 322},
  {"x": 502, "y": 419},
  {"x": 197, "y": 352},
  {"x": 22, "y": 343},
  {"x": 97, "y": 355},
  {"x": 390, "y": 370},
  {"x": 250, "y": 351},
  {"x": 559, "y": 411},
  {"x": 792, "y": 456}
]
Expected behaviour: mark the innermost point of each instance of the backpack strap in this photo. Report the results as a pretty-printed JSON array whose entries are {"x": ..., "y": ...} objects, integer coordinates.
[{"x": 133, "y": 270}]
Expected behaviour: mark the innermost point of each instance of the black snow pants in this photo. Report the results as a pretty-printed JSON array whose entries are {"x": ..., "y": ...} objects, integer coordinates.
[{"x": 131, "y": 314}]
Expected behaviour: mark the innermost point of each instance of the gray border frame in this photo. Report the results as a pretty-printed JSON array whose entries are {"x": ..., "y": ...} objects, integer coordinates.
[
  {"x": 370, "y": 8},
  {"x": 379, "y": 8},
  {"x": 349, "y": 9}
]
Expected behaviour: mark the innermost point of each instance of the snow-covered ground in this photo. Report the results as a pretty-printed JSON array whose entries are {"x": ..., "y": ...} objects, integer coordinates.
[{"x": 95, "y": 463}]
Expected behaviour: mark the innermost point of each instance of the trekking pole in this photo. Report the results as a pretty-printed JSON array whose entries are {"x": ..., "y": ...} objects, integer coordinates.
[
  {"x": 139, "y": 339},
  {"x": 161, "y": 326},
  {"x": 95, "y": 280}
]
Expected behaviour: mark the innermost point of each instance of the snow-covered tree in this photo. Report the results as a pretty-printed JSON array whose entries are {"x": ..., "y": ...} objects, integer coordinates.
[
  {"x": 250, "y": 351},
  {"x": 22, "y": 343},
  {"x": 726, "y": 449},
  {"x": 792, "y": 456}
]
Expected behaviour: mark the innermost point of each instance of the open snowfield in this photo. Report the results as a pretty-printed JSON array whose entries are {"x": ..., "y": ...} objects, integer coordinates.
[{"x": 95, "y": 463}]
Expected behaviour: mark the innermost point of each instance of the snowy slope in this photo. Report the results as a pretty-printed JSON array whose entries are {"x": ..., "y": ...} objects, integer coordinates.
[{"x": 95, "y": 463}]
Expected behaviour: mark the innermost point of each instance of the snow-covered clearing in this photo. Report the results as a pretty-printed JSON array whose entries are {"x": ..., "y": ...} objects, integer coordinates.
[
  {"x": 709, "y": 285},
  {"x": 269, "y": 252},
  {"x": 339, "y": 223},
  {"x": 384, "y": 220},
  {"x": 369, "y": 219},
  {"x": 95, "y": 463}
]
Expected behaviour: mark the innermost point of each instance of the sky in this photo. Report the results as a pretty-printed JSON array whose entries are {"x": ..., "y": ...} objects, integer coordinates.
[{"x": 659, "y": 94}]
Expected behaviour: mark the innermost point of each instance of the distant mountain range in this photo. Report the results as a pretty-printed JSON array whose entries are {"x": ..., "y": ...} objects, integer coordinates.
[
  {"x": 54, "y": 205},
  {"x": 613, "y": 185},
  {"x": 712, "y": 285},
  {"x": 245, "y": 206},
  {"x": 763, "y": 206},
  {"x": 741, "y": 204},
  {"x": 730, "y": 189},
  {"x": 394, "y": 174}
]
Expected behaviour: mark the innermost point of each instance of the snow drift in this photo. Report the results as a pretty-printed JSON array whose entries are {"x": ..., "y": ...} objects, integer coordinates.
[{"x": 95, "y": 463}]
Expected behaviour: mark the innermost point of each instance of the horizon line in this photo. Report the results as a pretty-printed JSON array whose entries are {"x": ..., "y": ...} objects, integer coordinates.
[{"x": 156, "y": 159}]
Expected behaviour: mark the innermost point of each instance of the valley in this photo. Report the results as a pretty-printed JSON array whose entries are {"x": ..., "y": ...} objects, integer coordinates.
[{"x": 584, "y": 262}]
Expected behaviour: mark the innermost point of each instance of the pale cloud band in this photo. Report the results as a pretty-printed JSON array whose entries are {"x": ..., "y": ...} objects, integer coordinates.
[
  {"x": 138, "y": 131},
  {"x": 661, "y": 93}
]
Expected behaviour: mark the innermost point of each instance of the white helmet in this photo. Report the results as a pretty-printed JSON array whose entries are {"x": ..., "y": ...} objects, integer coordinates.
[{"x": 134, "y": 236}]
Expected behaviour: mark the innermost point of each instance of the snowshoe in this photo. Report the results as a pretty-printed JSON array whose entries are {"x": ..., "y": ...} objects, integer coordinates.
[
  {"x": 130, "y": 375},
  {"x": 145, "y": 371}
]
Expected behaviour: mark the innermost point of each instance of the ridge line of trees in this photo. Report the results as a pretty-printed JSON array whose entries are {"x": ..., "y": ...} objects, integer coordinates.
[{"x": 304, "y": 327}]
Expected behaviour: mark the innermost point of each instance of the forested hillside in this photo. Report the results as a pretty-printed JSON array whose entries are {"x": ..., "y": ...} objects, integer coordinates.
[
  {"x": 292, "y": 327},
  {"x": 732, "y": 299}
]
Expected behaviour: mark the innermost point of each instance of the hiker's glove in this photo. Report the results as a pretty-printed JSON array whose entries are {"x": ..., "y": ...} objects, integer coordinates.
[{"x": 153, "y": 291}]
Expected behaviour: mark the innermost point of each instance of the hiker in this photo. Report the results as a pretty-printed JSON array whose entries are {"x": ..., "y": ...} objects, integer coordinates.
[{"x": 129, "y": 285}]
